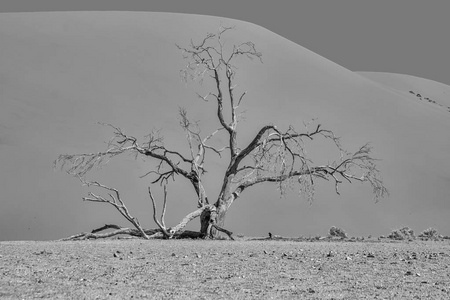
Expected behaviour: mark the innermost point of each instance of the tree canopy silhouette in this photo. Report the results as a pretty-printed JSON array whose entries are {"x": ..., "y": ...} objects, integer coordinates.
[{"x": 273, "y": 155}]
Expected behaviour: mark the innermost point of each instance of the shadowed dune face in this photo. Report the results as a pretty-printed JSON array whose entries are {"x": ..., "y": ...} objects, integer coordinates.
[{"x": 60, "y": 73}]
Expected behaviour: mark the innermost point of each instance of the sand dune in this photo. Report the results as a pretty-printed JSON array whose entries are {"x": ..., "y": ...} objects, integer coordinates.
[
  {"x": 425, "y": 90},
  {"x": 60, "y": 73}
]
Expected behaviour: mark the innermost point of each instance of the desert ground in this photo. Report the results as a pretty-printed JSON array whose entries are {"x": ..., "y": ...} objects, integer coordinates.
[{"x": 223, "y": 269}]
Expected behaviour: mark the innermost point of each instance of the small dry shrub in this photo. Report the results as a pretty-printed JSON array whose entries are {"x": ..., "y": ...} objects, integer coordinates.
[
  {"x": 404, "y": 233},
  {"x": 338, "y": 232},
  {"x": 430, "y": 234}
]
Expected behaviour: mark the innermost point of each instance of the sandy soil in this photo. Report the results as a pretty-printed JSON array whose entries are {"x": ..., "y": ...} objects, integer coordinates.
[{"x": 195, "y": 269}]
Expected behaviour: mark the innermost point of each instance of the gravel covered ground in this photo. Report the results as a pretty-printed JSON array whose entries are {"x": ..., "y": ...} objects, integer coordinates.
[{"x": 222, "y": 269}]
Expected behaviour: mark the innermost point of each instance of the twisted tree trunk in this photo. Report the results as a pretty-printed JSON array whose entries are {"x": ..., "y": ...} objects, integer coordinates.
[{"x": 212, "y": 221}]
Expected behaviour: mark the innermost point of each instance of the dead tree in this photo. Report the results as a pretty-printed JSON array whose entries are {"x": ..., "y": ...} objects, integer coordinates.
[{"x": 272, "y": 156}]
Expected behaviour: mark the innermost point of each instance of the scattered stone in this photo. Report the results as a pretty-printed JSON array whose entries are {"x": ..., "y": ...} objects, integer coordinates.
[{"x": 43, "y": 252}]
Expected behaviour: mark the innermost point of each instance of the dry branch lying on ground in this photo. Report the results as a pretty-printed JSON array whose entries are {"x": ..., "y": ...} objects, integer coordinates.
[{"x": 151, "y": 233}]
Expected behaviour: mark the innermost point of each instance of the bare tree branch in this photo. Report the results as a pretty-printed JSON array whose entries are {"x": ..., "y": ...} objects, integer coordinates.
[
  {"x": 358, "y": 166},
  {"x": 161, "y": 224},
  {"x": 210, "y": 57},
  {"x": 190, "y": 217},
  {"x": 88, "y": 235},
  {"x": 227, "y": 232},
  {"x": 115, "y": 201}
]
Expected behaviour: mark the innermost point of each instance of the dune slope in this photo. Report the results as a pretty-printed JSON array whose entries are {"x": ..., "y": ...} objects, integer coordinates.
[{"x": 60, "y": 73}]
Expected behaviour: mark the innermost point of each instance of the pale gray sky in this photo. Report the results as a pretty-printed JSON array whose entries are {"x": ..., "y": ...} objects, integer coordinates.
[{"x": 401, "y": 36}]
